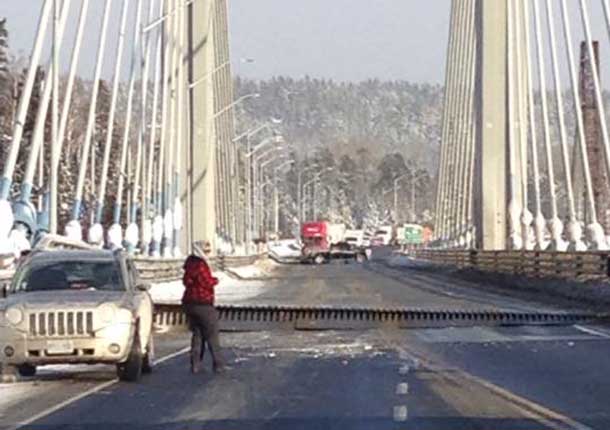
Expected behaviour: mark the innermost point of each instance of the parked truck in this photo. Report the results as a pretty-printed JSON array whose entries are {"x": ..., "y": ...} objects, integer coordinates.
[
  {"x": 323, "y": 241},
  {"x": 355, "y": 238},
  {"x": 384, "y": 235}
]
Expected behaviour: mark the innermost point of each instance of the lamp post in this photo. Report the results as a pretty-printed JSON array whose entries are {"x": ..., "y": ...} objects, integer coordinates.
[
  {"x": 234, "y": 178},
  {"x": 313, "y": 181},
  {"x": 414, "y": 179},
  {"x": 385, "y": 192},
  {"x": 227, "y": 210},
  {"x": 276, "y": 197},
  {"x": 300, "y": 190},
  {"x": 261, "y": 223},
  {"x": 248, "y": 134},
  {"x": 396, "y": 187},
  {"x": 252, "y": 177},
  {"x": 209, "y": 74}
]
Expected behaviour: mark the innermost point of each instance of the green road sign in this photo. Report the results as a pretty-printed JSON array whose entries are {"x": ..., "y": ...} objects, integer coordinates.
[{"x": 414, "y": 234}]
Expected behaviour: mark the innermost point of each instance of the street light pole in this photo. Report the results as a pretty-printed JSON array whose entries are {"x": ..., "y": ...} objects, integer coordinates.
[
  {"x": 396, "y": 187},
  {"x": 300, "y": 191},
  {"x": 261, "y": 191},
  {"x": 221, "y": 112},
  {"x": 414, "y": 179},
  {"x": 276, "y": 197},
  {"x": 313, "y": 181},
  {"x": 256, "y": 178},
  {"x": 207, "y": 75},
  {"x": 248, "y": 189}
]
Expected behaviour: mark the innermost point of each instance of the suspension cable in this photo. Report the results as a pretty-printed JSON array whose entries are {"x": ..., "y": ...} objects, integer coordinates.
[
  {"x": 595, "y": 229},
  {"x": 539, "y": 220},
  {"x": 24, "y": 101},
  {"x": 574, "y": 232},
  {"x": 113, "y": 102},
  {"x": 597, "y": 83},
  {"x": 127, "y": 127}
]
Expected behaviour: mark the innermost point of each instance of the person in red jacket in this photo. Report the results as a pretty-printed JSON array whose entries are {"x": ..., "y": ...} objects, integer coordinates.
[{"x": 198, "y": 304}]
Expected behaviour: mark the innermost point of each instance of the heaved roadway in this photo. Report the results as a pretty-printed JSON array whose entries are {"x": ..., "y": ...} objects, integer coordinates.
[{"x": 455, "y": 378}]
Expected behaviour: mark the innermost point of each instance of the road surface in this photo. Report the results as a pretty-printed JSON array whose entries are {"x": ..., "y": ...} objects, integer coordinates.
[{"x": 460, "y": 378}]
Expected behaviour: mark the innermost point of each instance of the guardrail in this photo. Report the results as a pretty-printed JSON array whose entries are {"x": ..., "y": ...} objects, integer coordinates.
[
  {"x": 167, "y": 269},
  {"x": 588, "y": 265}
]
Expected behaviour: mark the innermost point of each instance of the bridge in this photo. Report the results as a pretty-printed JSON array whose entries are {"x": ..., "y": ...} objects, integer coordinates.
[
  {"x": 519, "y": 255},
  {"x": 516, "y": 170}
]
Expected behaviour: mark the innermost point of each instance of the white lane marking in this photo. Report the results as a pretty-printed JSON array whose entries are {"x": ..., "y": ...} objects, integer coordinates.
[
  {"x": 400, "y": 413},
  {"x": 173, "y": 355},
  {"x": 543, "y": 415},
  {"x": 592, "y": 331},
  {"x": 404, "y": 369},
  {"x": 80, "y": 396},
  {"x": 402, "y": 389},
  {"x": 65, "y": 403}
]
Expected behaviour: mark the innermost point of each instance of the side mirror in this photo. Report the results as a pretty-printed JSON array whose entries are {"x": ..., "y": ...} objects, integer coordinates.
[{"x": 143, "y": 286}]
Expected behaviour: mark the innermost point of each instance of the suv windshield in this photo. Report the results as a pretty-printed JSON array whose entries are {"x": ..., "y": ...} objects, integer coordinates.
[{"x": 69, "y": 275}]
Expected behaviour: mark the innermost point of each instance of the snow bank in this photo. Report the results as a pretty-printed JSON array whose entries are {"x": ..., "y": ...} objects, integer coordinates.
[
  {"x": 228, "y": 290},
  {"x": 248, "y": 272},
  {"x": 285, "y": 249}
]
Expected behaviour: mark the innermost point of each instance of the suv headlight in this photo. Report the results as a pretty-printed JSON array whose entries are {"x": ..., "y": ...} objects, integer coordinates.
[
  {"x": 14, "y": 316},
  {"x": 107, "y": 312}
]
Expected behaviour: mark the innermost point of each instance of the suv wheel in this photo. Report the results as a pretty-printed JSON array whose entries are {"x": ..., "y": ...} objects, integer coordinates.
[
  {"x": 360, "y": 257},
  {"x": 149, "y": 357},
  {"x": 26, "y": 370},
  {"x": 131, "y": 370}
]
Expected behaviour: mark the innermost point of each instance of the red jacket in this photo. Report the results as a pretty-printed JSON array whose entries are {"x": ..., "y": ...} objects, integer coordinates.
[{"x": 198, "y": 282}]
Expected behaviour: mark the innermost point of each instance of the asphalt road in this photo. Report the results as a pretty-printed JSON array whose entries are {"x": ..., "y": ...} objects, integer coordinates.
[{"x": 462, "y": 378}]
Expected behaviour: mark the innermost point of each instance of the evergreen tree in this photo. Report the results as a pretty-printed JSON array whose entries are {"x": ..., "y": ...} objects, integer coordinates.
[{"x": 6, "y": 91}]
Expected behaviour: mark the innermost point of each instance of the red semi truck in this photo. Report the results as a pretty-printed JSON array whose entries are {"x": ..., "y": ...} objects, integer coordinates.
[{"x": 323, "y": 241}]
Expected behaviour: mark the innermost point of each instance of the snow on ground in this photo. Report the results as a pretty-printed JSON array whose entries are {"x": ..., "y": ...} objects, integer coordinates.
[
  {"x": 12, "y": 394},
  {"x": 285, "y": 249},
  {"x": 229, "y": 290},
  {"x": 248, "y": 272},
  {"x": 402, "y": 260}
]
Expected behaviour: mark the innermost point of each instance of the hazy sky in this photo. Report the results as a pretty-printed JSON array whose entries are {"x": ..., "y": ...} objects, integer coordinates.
[{"x": 339, "y": 39}]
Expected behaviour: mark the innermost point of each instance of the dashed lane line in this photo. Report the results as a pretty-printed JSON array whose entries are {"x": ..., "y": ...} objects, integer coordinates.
[
  {"x": 56, "y": 408},
  {"x": 401, "y": 414},
  {"x": 402, "y": 389},
  {"x": 535, "y": 411}
]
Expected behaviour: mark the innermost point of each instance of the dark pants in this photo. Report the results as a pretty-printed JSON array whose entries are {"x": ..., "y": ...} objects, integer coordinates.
[{"x": 203, "y": 320}]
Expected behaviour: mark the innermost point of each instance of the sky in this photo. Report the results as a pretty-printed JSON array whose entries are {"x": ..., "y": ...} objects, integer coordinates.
[{"x": 346, "y": 40}]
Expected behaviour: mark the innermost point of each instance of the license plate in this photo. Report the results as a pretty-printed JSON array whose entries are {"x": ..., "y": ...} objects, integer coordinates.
[{"x": 60, "y": 347}]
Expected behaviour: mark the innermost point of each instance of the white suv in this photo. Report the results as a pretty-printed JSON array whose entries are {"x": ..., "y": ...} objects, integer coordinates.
[{"x": 69, "y": 307}]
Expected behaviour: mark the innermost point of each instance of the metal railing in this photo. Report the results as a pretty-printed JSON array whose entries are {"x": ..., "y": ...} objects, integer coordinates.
[
  {"x": 586, "y": 265},
  {"x": 167, "y": 269}
]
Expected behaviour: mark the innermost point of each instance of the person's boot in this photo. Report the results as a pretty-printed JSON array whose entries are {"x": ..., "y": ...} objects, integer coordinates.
[
  {"x": 221, "y": 368},
  {"x": 195, "y": 366},
  {"x": 197, "y": 349}
]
